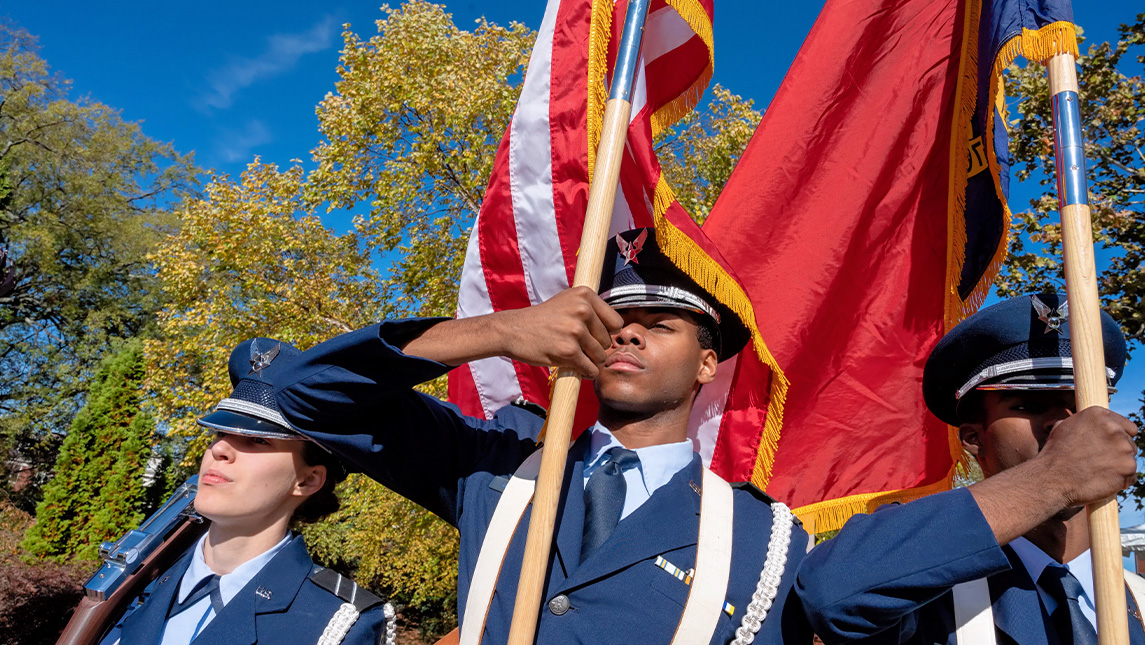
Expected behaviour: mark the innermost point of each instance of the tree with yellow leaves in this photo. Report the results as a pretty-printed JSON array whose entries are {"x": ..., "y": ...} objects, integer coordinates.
[
  {"x": 407, "y": 141},
  {"x": 250, "y": 260},
  {"x": 410, "y": 133}
]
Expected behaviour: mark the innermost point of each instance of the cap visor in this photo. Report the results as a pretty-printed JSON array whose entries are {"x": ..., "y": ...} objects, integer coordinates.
[
  {"x": 632, "y": 302},
  {"x": 241, "y": 424},
  {"x": 1034, "y": 381}
]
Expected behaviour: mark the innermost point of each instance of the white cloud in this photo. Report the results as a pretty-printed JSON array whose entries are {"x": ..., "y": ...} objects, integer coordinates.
[
  {"x": 237, "y": 145},
  {"x": 282, "y": 53}
]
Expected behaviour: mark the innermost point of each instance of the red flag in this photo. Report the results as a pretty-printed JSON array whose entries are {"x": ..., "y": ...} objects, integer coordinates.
[
  {"x": 523, "y": 247},
  {"x": 847, "y": 218}
]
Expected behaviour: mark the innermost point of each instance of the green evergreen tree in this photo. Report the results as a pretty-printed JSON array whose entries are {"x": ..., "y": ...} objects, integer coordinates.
[{"x": 97, "y": 490}]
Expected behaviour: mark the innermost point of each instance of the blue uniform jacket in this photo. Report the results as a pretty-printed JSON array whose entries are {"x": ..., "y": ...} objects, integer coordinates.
[
  {"x": 886, "y": 578},
  {"x": 353, "y": 394},
  {"x": 296, "y": 611}
]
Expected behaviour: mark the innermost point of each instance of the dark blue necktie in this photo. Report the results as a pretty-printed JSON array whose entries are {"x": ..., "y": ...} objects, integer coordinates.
[
  {"x": 208, "y": 586},
  {"x": 604, "y": 499},
  {"x": 1072, "y": 626}
]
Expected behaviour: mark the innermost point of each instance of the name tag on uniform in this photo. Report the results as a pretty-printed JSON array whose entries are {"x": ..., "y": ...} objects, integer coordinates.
[{"x": 686, "y": 578}]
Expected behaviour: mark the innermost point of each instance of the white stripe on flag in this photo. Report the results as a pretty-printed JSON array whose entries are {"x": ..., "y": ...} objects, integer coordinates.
[
  {"x": 708, "y": 411},
  {"x": 531, "y": 173},
  {"x": 493, "y": 378},
  {"x": 496, "y": 383},
  {"x": 665, "y": 30}
]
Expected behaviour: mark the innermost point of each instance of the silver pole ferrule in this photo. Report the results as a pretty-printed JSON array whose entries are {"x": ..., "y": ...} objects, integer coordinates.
[
  {"x": 628, "y": 57},
  {"x": 1069, "y": 149}
]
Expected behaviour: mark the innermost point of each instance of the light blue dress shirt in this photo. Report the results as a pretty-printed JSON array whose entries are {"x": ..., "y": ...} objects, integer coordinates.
[
  {"x": 1081, "y": 567},
  {"x": 657, "y": 465},
  {"x": 185, "y": 626}
]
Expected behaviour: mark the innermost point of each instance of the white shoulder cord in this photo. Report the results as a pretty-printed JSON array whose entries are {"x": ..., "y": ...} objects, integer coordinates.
[
  {"x": 391, "y": 625},
  {"x": 782, "y": 522},
  {"x": 345, "y": 618},
  {"x": 339, "y": 625}
]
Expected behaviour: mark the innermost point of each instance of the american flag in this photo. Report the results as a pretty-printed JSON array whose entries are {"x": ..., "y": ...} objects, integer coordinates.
[{"x": 523, "y": 246}]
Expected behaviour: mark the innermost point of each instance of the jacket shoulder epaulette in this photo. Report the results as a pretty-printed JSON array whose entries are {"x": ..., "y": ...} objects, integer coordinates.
[
  {"x": 528, "y": 406},
  {"x": 759, "y": 495},
  {"x": 755, "y": 492},
  {"x": 344, "y": 588}
]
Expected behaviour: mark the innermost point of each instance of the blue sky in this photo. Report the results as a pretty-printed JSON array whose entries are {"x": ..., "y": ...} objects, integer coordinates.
[
  {"x": 234, "y": 79},
  {"x": 229, "y": 80}
]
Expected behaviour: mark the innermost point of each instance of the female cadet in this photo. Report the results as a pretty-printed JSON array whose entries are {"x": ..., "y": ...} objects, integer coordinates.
[{"x": 249, "y": 579}]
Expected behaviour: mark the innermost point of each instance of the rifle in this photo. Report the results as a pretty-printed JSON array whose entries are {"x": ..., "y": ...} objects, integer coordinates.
[{"x": 132, "y": 562}]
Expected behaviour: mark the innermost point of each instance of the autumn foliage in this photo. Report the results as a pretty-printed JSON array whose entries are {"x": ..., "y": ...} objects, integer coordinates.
[{"x": 403, "y": 152}]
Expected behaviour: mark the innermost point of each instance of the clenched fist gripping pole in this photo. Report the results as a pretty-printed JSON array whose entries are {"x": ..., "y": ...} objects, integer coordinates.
[{"x": 590, "y": 259}]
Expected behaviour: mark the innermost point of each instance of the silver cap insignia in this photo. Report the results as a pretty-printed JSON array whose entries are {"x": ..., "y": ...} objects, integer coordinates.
[
  {"x": 261, "y": 360},
  {"x": 1053, "y": 319}
]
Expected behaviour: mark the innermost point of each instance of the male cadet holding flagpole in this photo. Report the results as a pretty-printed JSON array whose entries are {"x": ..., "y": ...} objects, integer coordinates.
[
  {"x": 635, "y": 559},
  {"x": 1005, "y": 560}
]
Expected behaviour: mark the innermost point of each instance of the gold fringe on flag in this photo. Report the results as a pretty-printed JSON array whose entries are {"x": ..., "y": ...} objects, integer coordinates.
[
  {"x": 965, "y": 103},
  {"x": 677, "y": 108},
  {"x": 1039, "y": 46},
  {"x": 831, "y": 515},
  {"x": 687, "y": 255},
  {"x": 1034, "y": 45},
  {"x": 692, "y": 12},
  {"x": 599, "y": 31}
]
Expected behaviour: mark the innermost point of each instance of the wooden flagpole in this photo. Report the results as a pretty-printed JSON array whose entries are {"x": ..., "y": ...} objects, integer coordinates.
[
  {"x": 1085, "y": 336},
  {"x": 558, "y": 432}
]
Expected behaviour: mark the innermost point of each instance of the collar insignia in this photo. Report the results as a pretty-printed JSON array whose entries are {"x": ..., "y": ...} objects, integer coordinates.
[
  {"x": 629, "y": 250},
  {"x": 263, "y": 592},
  {"x": 1053, "y": 319},
  {"x": 261, "y": 360}
]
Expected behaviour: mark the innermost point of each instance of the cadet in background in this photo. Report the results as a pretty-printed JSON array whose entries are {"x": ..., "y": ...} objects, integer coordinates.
[
  {"x": 1014, "y": 546},
  {"x": 249, "y": 579}
]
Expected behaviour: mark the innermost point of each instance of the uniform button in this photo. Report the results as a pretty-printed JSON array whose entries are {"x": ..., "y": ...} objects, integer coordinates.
[{"x": 559, "y": 605}]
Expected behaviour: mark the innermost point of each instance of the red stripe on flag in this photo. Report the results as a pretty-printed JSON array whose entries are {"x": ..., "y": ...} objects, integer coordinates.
[
  {"x": 672, "y": 74},
  {"x": 568, "y": 126},
  {"x": 497, "y": 238},
  {"x": 462, "y": 391}
]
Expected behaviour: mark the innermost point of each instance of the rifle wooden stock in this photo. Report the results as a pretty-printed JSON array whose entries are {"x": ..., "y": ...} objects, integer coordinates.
[{"x": 92, "y": 618}]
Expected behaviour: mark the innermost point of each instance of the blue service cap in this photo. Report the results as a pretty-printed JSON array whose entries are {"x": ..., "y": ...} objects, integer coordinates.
[
  {"x": 251, "y": 409},
  {"x": 637, "y": 274},
  {"x": 1018, "y": 344}
]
